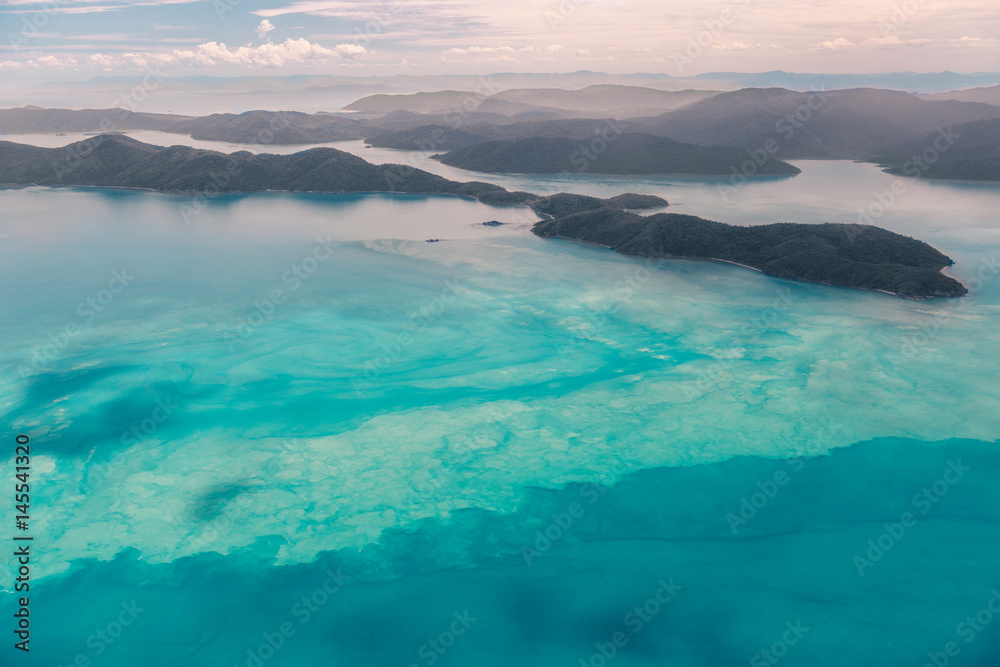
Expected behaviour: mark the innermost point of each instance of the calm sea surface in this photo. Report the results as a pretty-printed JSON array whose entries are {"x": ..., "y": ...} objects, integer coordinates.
[{"x": 284, "y": 429}]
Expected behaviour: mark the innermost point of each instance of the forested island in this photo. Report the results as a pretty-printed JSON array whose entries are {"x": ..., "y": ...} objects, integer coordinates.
[
  {"x": 854, "y": 256},
  {"x": 628, "y": 153},
  {"x": 115, "y": 160},
  {"x": 843, "y": 255}
]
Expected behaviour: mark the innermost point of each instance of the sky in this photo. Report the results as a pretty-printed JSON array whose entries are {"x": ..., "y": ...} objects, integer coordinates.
[{"x": 81, "y": 39}]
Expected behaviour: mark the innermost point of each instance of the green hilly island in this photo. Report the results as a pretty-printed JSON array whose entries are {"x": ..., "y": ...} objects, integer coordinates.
[
  {"x": 842, "y": 255},
  {"x": 856, "y": 256},
  {"x": 629, "y": 153}
]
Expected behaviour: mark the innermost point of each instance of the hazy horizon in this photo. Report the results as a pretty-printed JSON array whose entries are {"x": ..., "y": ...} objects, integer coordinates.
[
  {"x": 265, "y": 90},
  {"x": 62, "y": 40}
]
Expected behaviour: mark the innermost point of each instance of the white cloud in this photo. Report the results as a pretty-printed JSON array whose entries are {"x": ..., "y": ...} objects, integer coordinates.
[
  {"x": 888, "y": 42},
  {"x": 837, "y": 44},
  {"x": 269, "y": 55},
  {"x": 291, "y": 51},
  {"x": 477, "y": 50},
  {"x": 103, "y": 61},
  {"x": 976, "y": 41},
  {"x": 264, "y": 28},
  {"x": 893, "y": 40},
  {"x": 827, "y": 36},
  {"x": 741, "y": 46},
  {"x": 53, "y": 61},
  {"x": 734, "y": 46}
]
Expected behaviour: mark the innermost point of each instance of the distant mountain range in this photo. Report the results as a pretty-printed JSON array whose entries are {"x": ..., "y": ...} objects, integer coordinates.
[
  {"x": 709, "y": 133},
  {"x": 852, "y": 124},
  {"x": 33, "y": 119},
  {"x": 597, "y": 101},
  {"x": 773, "y": 123},
  {"x": 407, "y": 83},
  {"x": 252, "y": 127},
  {"x": 204, "y": 95},
  {"x": 968, "y": 152},
  {"x": 268, "y": 127},
  {"x": 917, "y": 82},
  {"x": 990, "y": 95}
]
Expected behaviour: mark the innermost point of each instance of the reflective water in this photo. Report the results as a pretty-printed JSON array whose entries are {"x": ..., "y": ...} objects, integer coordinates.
[{"x": 536, "y": 435}]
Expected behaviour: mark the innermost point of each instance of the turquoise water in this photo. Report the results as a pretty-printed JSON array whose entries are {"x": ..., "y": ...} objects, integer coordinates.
[{"x": 297, "y": 391}]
